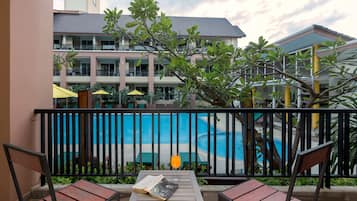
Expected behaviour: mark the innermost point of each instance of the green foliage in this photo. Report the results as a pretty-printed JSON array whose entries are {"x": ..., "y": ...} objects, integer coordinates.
[
  {"x": 222, "y": 73},
  {"x": 78, "y": 87},
  {"x": 66, "y": 60},
  {"x": 349, "y": 102},
  {"x": 201, "y": 181},
  {"x": 111, "y": 24},
  {"x": 301, "y": 181}
]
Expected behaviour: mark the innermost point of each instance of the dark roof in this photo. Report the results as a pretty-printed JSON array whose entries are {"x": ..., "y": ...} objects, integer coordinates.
[
  {"x": 314, "y": 34},
  {"x": 84, "y": 23}
]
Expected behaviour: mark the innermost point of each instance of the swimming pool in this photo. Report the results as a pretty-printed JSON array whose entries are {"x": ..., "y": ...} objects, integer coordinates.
[{"x": 150, "y": 132}]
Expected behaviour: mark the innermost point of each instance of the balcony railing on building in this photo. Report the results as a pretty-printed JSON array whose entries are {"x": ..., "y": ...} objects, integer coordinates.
[
  {"x": 101, "y": 72},
  {"x": 79, "y": 71}
]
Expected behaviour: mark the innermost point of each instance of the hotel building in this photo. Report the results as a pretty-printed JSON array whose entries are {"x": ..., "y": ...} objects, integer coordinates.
[
  {"x": 99, "y": 60},
  {"x": 305, "y": 41}
]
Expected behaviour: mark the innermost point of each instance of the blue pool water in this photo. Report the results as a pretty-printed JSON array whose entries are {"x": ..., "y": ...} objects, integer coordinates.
[{"x": 150, "y": 135}]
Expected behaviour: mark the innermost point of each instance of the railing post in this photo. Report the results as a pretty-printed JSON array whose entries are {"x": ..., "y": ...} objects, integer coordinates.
[
  {"x": 328, "y": 138},
  {"x": 346, "y": 140},
  {"x": 43, "y": 141}
]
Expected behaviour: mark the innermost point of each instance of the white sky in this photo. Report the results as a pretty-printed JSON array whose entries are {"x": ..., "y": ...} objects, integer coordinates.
[{"x": 272, "y": 19}]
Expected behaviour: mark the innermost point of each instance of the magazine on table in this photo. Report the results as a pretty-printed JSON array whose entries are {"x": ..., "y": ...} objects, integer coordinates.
[{"x": 156, "y": 186}]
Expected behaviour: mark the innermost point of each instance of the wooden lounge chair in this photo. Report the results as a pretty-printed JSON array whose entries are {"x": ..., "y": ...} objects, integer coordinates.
[
  {"x": 253, "y": 190},
  {"x": 146, "y": 158},
  {"x": 185, "y": 160},
  {"x": 81, "y": 190}
]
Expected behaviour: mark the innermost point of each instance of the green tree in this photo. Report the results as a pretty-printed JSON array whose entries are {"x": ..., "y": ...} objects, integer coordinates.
[
  {"x": 65, "y": 59},
  {"x": 224, "y": 73}
]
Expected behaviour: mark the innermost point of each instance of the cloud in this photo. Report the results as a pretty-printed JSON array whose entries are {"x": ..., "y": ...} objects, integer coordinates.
[{"x": 272, "y": 19}]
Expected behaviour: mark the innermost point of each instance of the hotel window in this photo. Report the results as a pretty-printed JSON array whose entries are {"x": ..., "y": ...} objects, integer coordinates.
[
  {"x": 56, "y": 44},
  {"x": 108, "y": 69},
  {"x": 56, "y": 71},
  {"x": 142, "y": 70},
  {"x": 86, "y": 44},
  {"x": 108, "y": 45},
  {"x": 304, "y": 64},
  {"x": 84, "y": 69},
  {"x": 142, "y": 89},
  {"x": 158, "y": 70},
  {"x": 165, "y": 93}
]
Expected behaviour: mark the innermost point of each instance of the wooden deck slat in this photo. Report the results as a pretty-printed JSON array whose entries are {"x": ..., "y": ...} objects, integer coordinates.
[
  {"x": 98, "y": 190},
  {"x": 278, "y": 196},
  {"x": 257, "y": 195},
  {"x": 188, "y": 189},
  {"x": 78, "y": 194},
  {"x": 59, "y": 197},
  {"x": 243, "y": 188}
]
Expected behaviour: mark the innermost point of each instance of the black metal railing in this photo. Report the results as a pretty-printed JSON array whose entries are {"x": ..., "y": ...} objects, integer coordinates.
[{"x": 108, "y": 142}]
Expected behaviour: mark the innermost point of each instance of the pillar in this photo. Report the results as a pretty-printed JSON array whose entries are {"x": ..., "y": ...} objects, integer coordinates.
[
  {"x": 273, "y": 104},
  {"x": 94, "y": 43},
  {"x": 63, "y": 76},
  {"x": 25, "y": 82},
  {"x": 93, "y": 70},
  {"x": 316, "y": 84},
  {"x": 151, "y": 74},
  {"x": 253, "y": 96},
  {"x": 287, "y": 96},
  {"x": 64, "y": 42},
  {"x": 122, "y": 72},
  {"x": 193, "y": 96}
]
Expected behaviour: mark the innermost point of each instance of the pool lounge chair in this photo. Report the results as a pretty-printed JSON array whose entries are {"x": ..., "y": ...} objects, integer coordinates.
[
  {"x": 185, "y": 160},
  {"x": 253, "y": 190},
  {"x": 146, "y": 160},
  {"x": 80, "y": 190}
]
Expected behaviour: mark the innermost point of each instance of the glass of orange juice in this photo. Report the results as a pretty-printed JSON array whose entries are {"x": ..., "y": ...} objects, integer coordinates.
[
  {"x": 175, "y": 161},
  {"x": 176, "y": 164}
]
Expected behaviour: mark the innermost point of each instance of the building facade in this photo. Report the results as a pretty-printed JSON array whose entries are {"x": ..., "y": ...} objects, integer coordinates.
[
  {"x": 306, "y": 42},
  {"x": 87, "y": 6},
  {"x": 100, "y": 61}
]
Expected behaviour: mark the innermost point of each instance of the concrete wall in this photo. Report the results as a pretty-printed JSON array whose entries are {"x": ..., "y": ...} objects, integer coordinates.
[
  {"x": 80, "y": 5},
  {"x": 25, "y": 80},
  {"x": 93, "y": 8}
]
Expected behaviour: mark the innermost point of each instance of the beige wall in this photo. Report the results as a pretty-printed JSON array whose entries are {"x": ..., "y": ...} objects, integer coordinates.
[{"x": 25, "y": 80}]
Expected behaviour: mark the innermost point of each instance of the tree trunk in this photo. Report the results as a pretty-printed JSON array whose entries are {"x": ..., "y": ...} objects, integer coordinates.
[{"x": 259, "y": 141}]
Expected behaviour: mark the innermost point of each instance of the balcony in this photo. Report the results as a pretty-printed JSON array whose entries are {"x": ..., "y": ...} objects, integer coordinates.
[
  {"x": 206, "y": 135},
  {"x": 108, "y": 47}
]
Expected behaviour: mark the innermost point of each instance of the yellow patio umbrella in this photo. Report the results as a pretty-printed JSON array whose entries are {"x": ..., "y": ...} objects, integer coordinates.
[
  {"x": 59, "y": 92},
  {"x": 100, "y": 92},
  {"x": 135, "y": 93}
]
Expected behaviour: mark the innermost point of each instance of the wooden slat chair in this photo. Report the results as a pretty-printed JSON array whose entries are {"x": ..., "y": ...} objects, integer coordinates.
[
  {"x": 185, "y": 160},
  {"x": 253, "y": 190},
  {"x": 81, "y": 190}
]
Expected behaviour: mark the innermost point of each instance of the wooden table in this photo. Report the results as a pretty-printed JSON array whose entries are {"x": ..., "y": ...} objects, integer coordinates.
[
  {"x": 252, "y": 190},
  {"x": 188, "y": 189},
  {"x": 84, "y": 190}
]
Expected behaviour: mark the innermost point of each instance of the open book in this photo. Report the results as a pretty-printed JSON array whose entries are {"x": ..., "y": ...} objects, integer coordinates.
[{"x": 156, "y": 186}]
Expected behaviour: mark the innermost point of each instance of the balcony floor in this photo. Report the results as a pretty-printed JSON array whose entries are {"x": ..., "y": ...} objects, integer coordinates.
[{"x": 209, "y": 192}]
